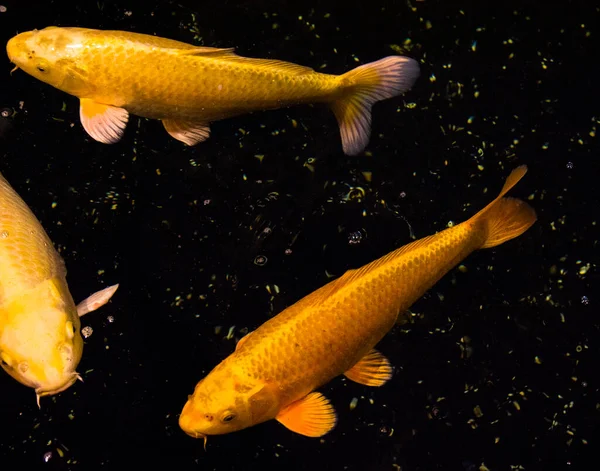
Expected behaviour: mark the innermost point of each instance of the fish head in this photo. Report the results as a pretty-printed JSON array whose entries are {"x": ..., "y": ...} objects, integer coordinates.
[
  {"x": 54, "y": 56},
  {"x": 40, "y": 344},
  {"x": 225, "y": 402}
]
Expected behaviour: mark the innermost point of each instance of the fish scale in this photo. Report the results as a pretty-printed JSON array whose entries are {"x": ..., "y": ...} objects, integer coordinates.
[
  {"x": 27, "y": 256},
  {"x": 345, "y": 325}
]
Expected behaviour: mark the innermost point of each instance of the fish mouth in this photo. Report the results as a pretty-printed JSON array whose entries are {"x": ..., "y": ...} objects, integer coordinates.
[
  {"x": 12, "y": 45},
  {"x": 16, "y": 44},
  {"x": 194, "y": 434},
  {"x": 41, "y": 392}
]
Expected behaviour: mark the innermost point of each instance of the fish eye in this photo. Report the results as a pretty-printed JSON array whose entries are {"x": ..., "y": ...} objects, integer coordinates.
[
  {"x": 228, "y": 417},
  {"x": 6, "y": 360},
  {"x": 42, "y": 65}
]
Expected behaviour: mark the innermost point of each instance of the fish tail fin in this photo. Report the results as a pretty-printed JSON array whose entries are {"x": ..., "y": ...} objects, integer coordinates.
[
  {"x": 506, "y": 217},
  {"x": 364, "y": 86}
]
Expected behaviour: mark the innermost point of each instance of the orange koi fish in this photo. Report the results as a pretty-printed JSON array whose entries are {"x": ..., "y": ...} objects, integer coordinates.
[{"x": 275, "y": 370}]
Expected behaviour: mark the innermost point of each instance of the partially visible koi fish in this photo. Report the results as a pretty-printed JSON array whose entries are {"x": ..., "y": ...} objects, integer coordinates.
[{"x": 40, "y": 342}]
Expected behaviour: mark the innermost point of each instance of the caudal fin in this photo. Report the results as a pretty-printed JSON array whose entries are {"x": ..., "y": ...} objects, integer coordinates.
[
  {"x": 506, "y": 217},
  {"x": 364, "y": 86}
]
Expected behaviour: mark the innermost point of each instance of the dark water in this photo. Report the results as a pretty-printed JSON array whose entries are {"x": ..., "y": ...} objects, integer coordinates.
[{"x": 181, "y": 228}]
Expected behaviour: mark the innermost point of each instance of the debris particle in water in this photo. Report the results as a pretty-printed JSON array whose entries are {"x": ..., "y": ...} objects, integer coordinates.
[
  {"x": 86, "y": 331},
  {"x": 230, "y": 333},
  {"x": 260, "y": 260},
  {"x": 355, "y": 238}
]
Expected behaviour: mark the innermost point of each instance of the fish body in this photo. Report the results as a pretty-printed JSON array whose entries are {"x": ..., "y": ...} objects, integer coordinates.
[
  {"x": 115, "y": 73},
  {"x": 40, "y": 342},
  {"x": 275, "y": 369}
]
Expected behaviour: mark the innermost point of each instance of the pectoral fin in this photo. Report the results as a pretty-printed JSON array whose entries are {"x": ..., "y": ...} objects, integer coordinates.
[
  {"x": 105, "y": 123},
  {"x": 312, "y": 416},
  {"x": 372, "y": 370},
  {"x": 188, "y": 132},
  {"x": 96, "y": 300}
]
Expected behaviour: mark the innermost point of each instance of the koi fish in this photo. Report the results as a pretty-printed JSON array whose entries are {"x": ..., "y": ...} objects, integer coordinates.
[
  {"x": 275, "y": 370},
  {"x": 40, "y": 342},
  {"x": 187, "y": 87}
]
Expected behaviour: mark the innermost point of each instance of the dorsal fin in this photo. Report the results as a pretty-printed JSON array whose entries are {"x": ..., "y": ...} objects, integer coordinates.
[
  {"x": 521, "y": 224},
  {"x": 316, "y": 297},
  {"x": 354, "y": 274},
  {"x": 229, "y": 55},
  {"x": 207, "y": 51}
]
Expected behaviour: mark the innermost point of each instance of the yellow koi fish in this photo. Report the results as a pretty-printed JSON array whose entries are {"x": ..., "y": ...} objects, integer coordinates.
[
  {"x": 275, "y": 369},
  {"x": 115, "y": 73},
  {"x": 40, "y": 342}
]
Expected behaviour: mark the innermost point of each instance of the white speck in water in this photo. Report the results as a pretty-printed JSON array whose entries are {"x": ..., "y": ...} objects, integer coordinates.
[
  {"x": 47, "y": 456},
  {"x": 2, "y": 9},
  {"x": 110, "y": 319},
  {"x": 4, "y": 234}
]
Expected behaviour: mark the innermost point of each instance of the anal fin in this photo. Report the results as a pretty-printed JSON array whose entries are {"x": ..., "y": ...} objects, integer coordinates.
[
  {"x": 104, "y": 123},
  {"x": 312, "y": 416},
  {"x": 188, "y": 132},
  {"x": 372, "y": 370}
]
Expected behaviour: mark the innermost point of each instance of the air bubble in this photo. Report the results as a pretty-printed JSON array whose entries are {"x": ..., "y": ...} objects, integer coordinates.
[
  {"x": 355, "y": 238},
  {"x": 260, "y": 260}
]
